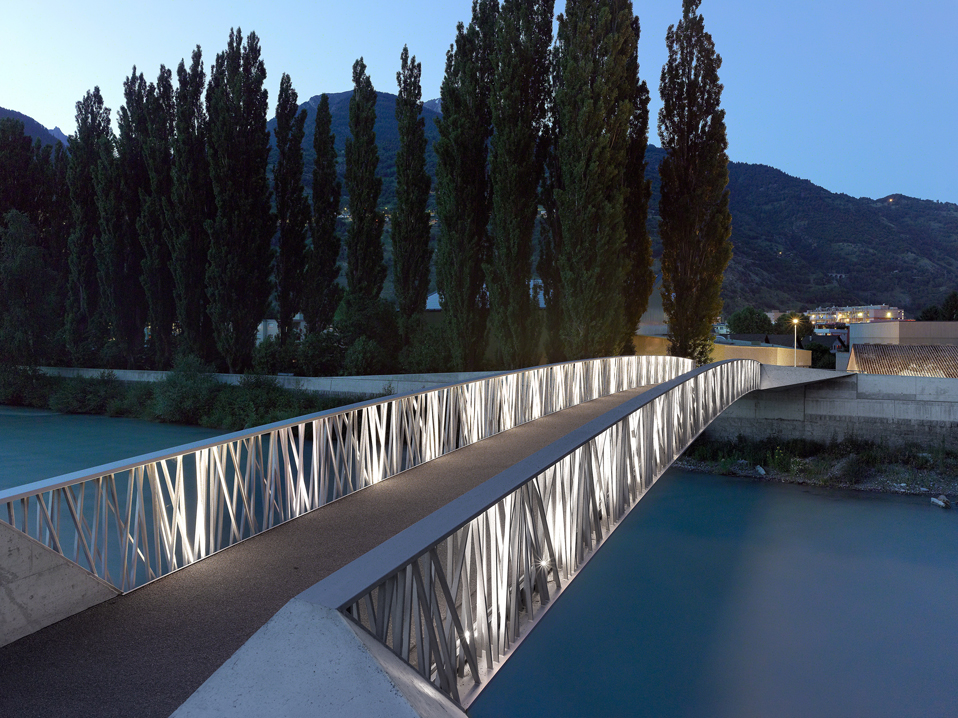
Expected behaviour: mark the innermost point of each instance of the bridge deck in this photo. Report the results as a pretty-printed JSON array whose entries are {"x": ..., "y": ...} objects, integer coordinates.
[{"x": 144, "y": 653}]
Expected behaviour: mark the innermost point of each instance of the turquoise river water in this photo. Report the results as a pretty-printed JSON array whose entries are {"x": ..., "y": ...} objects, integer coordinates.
[
  {"x": 727, "y": 597},
  {"x": 715, "y": 597}
]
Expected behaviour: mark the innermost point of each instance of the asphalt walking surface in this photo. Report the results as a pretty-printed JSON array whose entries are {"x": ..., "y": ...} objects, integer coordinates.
[{"x": 143, "y": 654}]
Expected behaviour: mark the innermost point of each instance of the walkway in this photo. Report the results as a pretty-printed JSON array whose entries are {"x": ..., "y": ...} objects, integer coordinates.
[{"x": 144, "y": 653}]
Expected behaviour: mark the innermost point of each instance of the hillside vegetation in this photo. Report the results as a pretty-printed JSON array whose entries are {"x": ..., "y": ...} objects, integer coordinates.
[{"x": 797, "y": 245}]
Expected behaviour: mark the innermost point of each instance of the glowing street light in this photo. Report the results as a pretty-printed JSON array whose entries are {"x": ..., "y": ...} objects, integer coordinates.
[{"x": 795, "y": 351}]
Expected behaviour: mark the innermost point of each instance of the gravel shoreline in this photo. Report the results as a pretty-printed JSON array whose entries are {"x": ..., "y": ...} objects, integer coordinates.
[{"x": 890, "y": 478}]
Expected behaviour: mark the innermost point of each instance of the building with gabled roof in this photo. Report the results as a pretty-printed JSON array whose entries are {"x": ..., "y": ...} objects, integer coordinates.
[{"x": 935, "y": 360}]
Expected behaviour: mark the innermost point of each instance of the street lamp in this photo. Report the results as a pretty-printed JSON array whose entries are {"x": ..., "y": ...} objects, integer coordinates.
[{"x": 795, "y": 350}]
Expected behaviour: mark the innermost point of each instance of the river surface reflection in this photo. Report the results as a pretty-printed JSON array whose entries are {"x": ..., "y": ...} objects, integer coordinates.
[
  {"x": 727, "y": 597},
  {"x": 37, "y": 445}
]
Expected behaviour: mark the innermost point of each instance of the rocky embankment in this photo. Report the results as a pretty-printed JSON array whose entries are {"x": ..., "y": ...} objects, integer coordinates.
[{"x": 929, "y": 478}]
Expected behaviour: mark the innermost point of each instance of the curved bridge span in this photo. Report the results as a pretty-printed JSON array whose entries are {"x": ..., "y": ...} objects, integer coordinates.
[{"x": 449, "y": 592}]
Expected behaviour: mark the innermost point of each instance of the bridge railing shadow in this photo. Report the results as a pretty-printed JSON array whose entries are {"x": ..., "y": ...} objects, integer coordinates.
[
  {"x": 133, "y": 521},
  {"x": 453, "y": 594}
]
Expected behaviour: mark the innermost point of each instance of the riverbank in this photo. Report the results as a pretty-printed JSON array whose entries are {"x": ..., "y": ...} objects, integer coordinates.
[
  {"x": 850, "y": 464},
  {"x": 190, "y": 395}
]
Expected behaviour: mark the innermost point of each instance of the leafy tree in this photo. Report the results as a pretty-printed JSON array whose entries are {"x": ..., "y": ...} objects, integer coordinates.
[
  {"x": 640, "y": 278},
  {"x": 410, "y": 221},
  {"x": 120, "y": 179},
  {"x": 947, "y": 311},
  {"x": 323, "y": 294},
  {"x": 192, "y": 205},
  {"x": 84, "y": 328},
  {"x": 695, "y": 223},
  {"x": 292, "y": 207},
  {"x": 153, "y": 222},
  {"x": 596, "y": 96},
  {"x": 365, "y": 269},
  {"x": 17, "y": 176},
  {"x": 238, "y": 276},
  {"x": 55, "y": 223},
  {"x": 462, "y": 186},
  {"x": 949, "y": 308},
  {"x": 749, "y": 320},
  {"x": 785, "y": 325},
  {"x": 520, "y": 90},
  {"x": 27, "y": 307}
]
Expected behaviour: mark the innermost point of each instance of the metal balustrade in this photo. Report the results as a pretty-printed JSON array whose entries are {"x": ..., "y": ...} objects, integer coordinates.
[
  {"x": 133, "y": 521},
  {"x": 473, "y": 576}
]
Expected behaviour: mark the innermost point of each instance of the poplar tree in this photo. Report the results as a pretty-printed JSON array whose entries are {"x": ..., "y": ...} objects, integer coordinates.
[
  {"x": 83, "y": 319},
  {"x": 120, "y": 178},
  {"x": 365, "y": 269},
  {"x": 17, "y": 181},
  {"x": 152, "y": 224},
  {"x": 292, "y": 207},
  {"x": 519, "y": 94},
  {"x": 595, "y": 100},
  {"x": 695, "y": 223},
  {"x": 410, "y": 222},
  {"x": 463, "y": 199},
  {"x": 238, "y": 278},
  {"x": 639, "y": 279},
  {"x": 323, "y": 294},
  {"x": 192, "y": 205}
]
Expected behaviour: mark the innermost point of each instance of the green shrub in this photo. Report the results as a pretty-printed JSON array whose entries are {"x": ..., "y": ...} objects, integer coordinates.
[
  {"x": 270, "y": 357},
  {"x": 136, "y": 401},
  {"x": 321, "y": 354},
  {"x": 427, "y": 352},
  {"x": 365, "y": 357},
  {"x": 25, "y": 386},
  {"x": 80, "y": 395},
  {"x": 187, "y": 393}
]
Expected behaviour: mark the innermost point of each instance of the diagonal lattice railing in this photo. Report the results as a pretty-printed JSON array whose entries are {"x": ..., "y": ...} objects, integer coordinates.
[
  {"x": 133, "y": 521},
  {"x": 478, "y": 570}
]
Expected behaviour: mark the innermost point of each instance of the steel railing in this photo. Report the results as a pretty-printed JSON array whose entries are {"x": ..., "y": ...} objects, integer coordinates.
[
  {"x": 453, "y": 593},
  {"x": 133, "y": 521}
]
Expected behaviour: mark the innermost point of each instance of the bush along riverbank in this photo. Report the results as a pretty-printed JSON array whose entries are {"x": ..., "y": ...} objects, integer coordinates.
[
  {"x": 189, "y": 394},
  {"x": 849, "y": 464}
]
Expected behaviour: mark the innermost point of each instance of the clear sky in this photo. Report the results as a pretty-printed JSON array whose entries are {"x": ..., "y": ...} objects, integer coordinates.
[{"x": 858, "y": 97}]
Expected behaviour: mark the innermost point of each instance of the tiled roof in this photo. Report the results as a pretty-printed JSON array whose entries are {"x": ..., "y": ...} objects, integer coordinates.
[{"x": 905, "y": 360}]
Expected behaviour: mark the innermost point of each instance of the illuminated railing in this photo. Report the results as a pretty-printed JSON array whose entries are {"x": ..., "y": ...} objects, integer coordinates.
[
  {"x": 471, "y": 577},
  {"x": 133, "y": 521}
]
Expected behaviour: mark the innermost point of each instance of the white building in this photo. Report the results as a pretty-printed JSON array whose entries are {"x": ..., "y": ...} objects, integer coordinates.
[{"x": 856, "y": 315}]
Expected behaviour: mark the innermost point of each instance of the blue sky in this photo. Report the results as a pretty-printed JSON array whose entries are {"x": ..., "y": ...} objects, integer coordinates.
[{"x": 858, "y": 97}]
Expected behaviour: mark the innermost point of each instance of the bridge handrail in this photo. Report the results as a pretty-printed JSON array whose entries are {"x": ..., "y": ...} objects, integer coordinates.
[
  {"x": 138, "y": 510},
  {"x": 401, "y": 590}
]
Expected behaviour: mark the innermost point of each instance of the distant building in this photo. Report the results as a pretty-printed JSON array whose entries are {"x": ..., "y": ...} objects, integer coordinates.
[
  {"x": 904, "y": 333},
  {"x": 855, "y": 315}
]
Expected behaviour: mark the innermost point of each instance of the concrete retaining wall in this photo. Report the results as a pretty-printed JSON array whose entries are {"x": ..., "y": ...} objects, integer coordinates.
[
  {"x": 360, "y": 386},
  {"x": 778, "y": 356},
  {"x": 39, "y": 587},
  {"x": 892, "y": 409}
]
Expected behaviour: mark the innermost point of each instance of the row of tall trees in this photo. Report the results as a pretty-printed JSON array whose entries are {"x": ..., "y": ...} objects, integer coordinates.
[
  {"x": 565, "y": 126},
  {"x": 172, "y": 225},
  {"x": 176, "y": 225}
]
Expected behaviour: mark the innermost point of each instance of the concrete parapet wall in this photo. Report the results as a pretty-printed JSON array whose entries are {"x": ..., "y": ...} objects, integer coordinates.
[
  {"x": 895, "y": 410},
  {"x": 364, "y": 386},
  {"x": 38, "y": 587},
  {"x": 310, "y": 660}
]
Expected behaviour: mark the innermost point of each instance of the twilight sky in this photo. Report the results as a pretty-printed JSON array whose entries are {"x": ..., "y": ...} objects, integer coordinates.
[{"x": 858, "y": 97}]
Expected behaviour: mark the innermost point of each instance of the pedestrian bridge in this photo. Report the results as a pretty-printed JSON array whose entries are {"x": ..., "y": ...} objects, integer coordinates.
[{"x": 499, "y": 490}]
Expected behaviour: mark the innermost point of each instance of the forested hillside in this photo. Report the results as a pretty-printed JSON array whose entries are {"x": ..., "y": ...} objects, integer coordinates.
[
  {"x": 31, "y": 127},
  {"x": 387, "y": 139},
  {"x": 797, "y": 245}
]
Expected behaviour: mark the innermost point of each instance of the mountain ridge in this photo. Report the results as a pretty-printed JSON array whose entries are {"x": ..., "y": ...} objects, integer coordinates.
[{"x": 796, "y": 244}]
